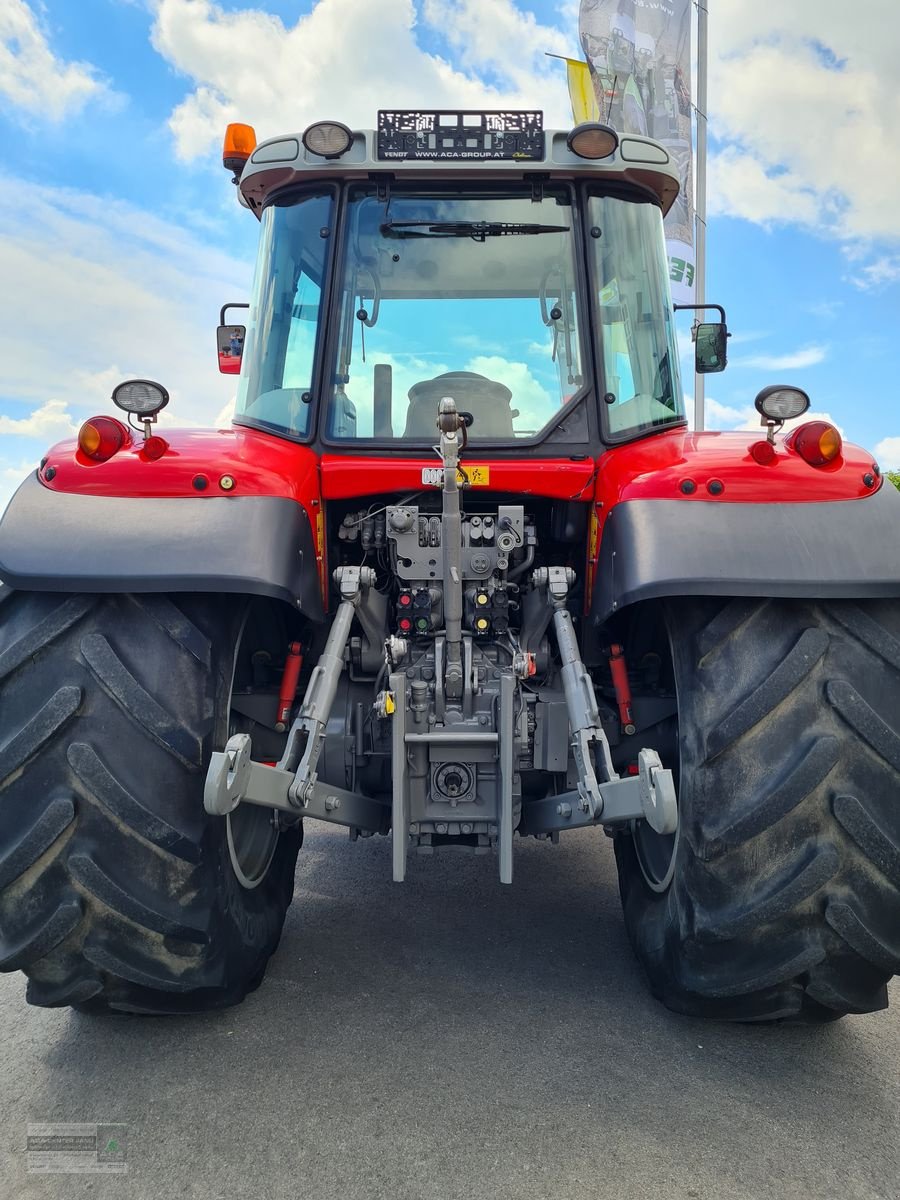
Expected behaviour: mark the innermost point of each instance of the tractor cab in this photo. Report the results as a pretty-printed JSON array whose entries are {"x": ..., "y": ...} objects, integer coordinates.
[{"x": 523, "y": 272}]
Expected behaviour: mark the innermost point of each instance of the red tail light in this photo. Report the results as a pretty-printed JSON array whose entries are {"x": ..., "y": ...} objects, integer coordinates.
[
  {"x": 100, "y": 438},
  {"x": 154, "y": 447},
  {"x": 817, "y": 443},
  {"x": 763, "y": 452}
]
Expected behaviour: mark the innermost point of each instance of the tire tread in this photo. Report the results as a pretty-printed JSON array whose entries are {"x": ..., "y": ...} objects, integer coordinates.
[
  {"x": 116, "y": 892},
  {"x": 785, "y": 903}
]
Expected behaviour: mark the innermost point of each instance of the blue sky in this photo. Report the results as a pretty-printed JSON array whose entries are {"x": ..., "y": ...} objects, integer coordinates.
[{"x": 120, "y": 234}]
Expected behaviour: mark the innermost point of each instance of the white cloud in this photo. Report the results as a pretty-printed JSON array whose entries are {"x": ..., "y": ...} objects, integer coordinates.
[
  {"x": 535, "y": 404},
  {"x": 745, "y": 417},
  {"x": 878, "y": 274},
  {"x": 740, "y": 185},
  {"x": 795, "y": 360},
  {"x": 825, "y": 310},
  {"x": 805, "y": 93},
  {"x": 105, "y": 290},
  {"x": 346, "y": 59},
  {"x": 483, "y": 32},
  {"x": 888, "y": 453},
  {"x": 225, "y": 415},
  {"x": 50, "y": 422},
  {"x": 38, "y": 429},
  {"x": 406, "y": 370},
  {"x": 725, "y": 416},
  {"x": 32, "y": 77}
]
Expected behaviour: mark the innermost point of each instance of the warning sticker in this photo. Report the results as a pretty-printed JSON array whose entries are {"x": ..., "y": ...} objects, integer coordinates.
[{"x": 467, "y": 475}]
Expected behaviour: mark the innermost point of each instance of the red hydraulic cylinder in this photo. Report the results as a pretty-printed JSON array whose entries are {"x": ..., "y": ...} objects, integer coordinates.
[
  {"x": 619, "y": 671},
  {"x": 289, "y": 680}
]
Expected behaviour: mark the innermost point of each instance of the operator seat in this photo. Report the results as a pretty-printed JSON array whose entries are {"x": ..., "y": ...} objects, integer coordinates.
[{"x": 487, "y": 401}]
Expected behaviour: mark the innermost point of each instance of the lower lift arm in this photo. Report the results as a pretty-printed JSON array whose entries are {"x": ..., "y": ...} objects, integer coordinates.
[
  {"x": 293, "y": 785},
  {"x": 607, "y": 800}
]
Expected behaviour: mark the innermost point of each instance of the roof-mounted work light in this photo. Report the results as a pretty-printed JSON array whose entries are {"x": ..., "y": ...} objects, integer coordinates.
[
  {"x": 593, "y": 140},
  {"x": 239, "y": 144},
  {"x": 328, "y": 139}
]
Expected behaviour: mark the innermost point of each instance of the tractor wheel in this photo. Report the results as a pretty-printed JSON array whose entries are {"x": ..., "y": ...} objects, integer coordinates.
[
  {"x": 779, "y": 897},
  {"x": 117, "y": 891}
]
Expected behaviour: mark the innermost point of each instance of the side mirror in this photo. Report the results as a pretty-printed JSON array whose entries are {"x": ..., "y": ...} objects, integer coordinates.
[
  {"x": 710, "y": 348},
  {"x": 710, "y": 340},
  {"x": 230, "y": 343}
]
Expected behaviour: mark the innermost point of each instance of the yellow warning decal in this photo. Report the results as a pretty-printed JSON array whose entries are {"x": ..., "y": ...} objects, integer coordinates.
[
  {"x": 477, "y": 476},
  {"x": 466, "y": 475}
]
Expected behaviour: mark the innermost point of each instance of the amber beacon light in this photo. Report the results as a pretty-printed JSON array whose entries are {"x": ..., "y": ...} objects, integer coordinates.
[{"x": 239, "y": 144}]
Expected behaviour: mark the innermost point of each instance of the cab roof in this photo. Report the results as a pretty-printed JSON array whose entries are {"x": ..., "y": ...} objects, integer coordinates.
[{"x": 285, "y": 161}]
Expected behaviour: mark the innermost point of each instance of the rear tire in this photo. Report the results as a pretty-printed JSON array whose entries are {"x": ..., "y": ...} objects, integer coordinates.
[
  {"x": 784, "y": 901},
  {"x": 117, "y": 890}
]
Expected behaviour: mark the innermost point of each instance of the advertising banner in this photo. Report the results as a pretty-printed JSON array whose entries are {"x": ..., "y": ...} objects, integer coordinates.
[{"x": 639, "y": 53}]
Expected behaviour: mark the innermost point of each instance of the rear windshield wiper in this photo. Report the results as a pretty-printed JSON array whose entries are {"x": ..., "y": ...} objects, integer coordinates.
[{"x": 478, "y": 231}]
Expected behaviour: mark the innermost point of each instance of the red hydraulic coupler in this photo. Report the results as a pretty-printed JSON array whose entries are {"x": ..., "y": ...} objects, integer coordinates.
[
  {"x": 619, "y": 672},
  {"x": 289, "y": 681}
]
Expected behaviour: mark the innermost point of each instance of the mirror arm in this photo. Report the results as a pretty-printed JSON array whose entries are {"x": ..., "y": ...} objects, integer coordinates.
[
  {"x": 718, "y": 307},
  {"x": 225, "y": 307}
]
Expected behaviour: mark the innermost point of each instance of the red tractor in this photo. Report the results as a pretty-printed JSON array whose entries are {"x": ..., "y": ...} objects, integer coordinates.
[{"x": 458, "y": 572}]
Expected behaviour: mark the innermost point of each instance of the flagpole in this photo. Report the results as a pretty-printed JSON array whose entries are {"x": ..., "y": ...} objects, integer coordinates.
[{"x": 700, "y": 207}]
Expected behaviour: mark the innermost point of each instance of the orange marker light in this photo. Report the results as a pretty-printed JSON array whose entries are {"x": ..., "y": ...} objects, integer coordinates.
[
  {"x": 100, "y": 438},
  {"x": 818, "y": 443},
  {"x": 239, "y": 144}
]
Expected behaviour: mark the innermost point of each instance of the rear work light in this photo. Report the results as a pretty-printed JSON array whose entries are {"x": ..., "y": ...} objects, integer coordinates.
[
  {"x": 781, "y": 403},
  {"x": 141, "y": 397},
  {"x": 100, "y": 438},
  {"x": 817, "y": 443}
]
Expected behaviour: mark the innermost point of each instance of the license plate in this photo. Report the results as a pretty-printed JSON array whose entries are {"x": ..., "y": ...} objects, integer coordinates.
[{"x": 437, "y": 134}]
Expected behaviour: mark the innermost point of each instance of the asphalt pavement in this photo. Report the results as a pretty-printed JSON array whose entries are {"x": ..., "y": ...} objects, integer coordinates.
[{"x": 455, "y": 1039}]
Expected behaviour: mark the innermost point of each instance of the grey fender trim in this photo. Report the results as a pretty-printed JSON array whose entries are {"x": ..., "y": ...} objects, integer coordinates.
[
  {"x": 847, "y": 549},
  {"x": 66, "y": 542}
]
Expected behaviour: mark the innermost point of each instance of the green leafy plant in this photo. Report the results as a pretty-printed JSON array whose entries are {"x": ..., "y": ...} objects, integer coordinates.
[{"x": 894, "y": 477}]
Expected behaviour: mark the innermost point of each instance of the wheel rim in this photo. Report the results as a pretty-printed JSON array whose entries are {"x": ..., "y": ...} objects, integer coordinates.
[
  {"x": 656, "y": 854},
  {"x": 252, "y": 838},
  {"x": 252, "y": 832}
]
